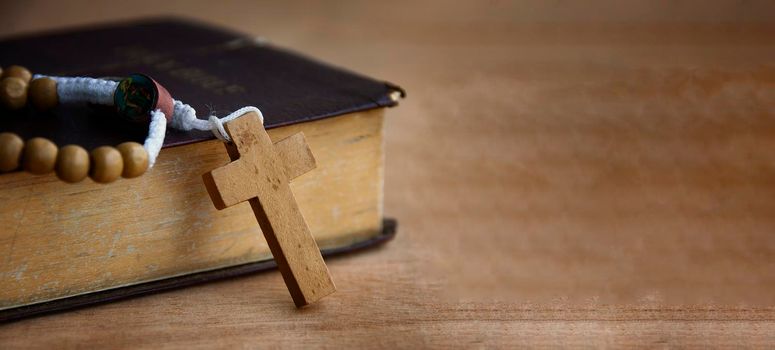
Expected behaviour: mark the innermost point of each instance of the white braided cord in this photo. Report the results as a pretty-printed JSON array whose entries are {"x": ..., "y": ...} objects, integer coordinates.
[
  {"x": 82, "y": 89},
  {"x": 156, "y": 131},
  {"x": 100, "y": 91}
]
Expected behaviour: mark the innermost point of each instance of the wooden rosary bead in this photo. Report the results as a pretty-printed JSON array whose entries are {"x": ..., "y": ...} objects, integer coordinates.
[
  {"x": 42, "y": 94},
  {"x": 40, "y": 156},
  {"x": 11, "y": 146},
  {"x": 18, "y": 72},
  {"x": 13, "y": 93},
  {"x": 135, "y": 159},
  {"x": 72, "y": 164},
  {"x": 106, "y": 164}
]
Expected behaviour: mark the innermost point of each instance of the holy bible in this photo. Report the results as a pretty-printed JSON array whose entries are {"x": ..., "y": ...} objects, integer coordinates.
[{"x": 67, "y": 245}]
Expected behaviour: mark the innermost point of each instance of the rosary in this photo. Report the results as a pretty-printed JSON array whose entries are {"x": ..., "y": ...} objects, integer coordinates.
[
  {"x": 137, "y": 98},
  {"x": 259, "y": 173}
]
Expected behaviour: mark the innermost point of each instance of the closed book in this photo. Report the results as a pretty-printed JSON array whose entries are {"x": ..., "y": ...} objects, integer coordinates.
[{"x": 74, "y": 244}]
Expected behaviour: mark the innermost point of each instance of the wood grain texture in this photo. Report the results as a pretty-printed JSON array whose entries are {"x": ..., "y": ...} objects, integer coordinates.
[
  {"x": 292, "y": 152},
  {"x": 260, "y": 175},
  {"x": 565, "y": 174}
]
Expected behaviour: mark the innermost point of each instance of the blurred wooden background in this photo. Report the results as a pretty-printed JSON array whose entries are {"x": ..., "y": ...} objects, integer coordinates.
[{"x": 564, "y": 174}]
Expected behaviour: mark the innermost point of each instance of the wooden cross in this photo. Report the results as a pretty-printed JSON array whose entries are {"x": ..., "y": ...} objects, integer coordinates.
[{"x": 259, "y": 173}]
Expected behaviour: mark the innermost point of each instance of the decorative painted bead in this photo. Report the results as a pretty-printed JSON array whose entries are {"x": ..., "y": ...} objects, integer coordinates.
[
  {"x": 106, "y": 164},
  {"x": 72, "y": 164},
  {"x": 11, "y": 146},
  {"x": 40, "y": 156},
  {"x": 17, "y": 72},
  {"x": 43, "y": 93},
  {"x": 13, "y": 93},
  {"x": 137, "y": 95},
  {"x": 135, "y": 159}
]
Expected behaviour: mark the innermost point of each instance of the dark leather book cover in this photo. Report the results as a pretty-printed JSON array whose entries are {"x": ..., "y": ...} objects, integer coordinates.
[{"x": 212, "y": 69}]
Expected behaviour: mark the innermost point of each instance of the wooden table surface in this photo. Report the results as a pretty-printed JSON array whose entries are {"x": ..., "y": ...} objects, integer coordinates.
[{"x": 564, "y": 174}]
